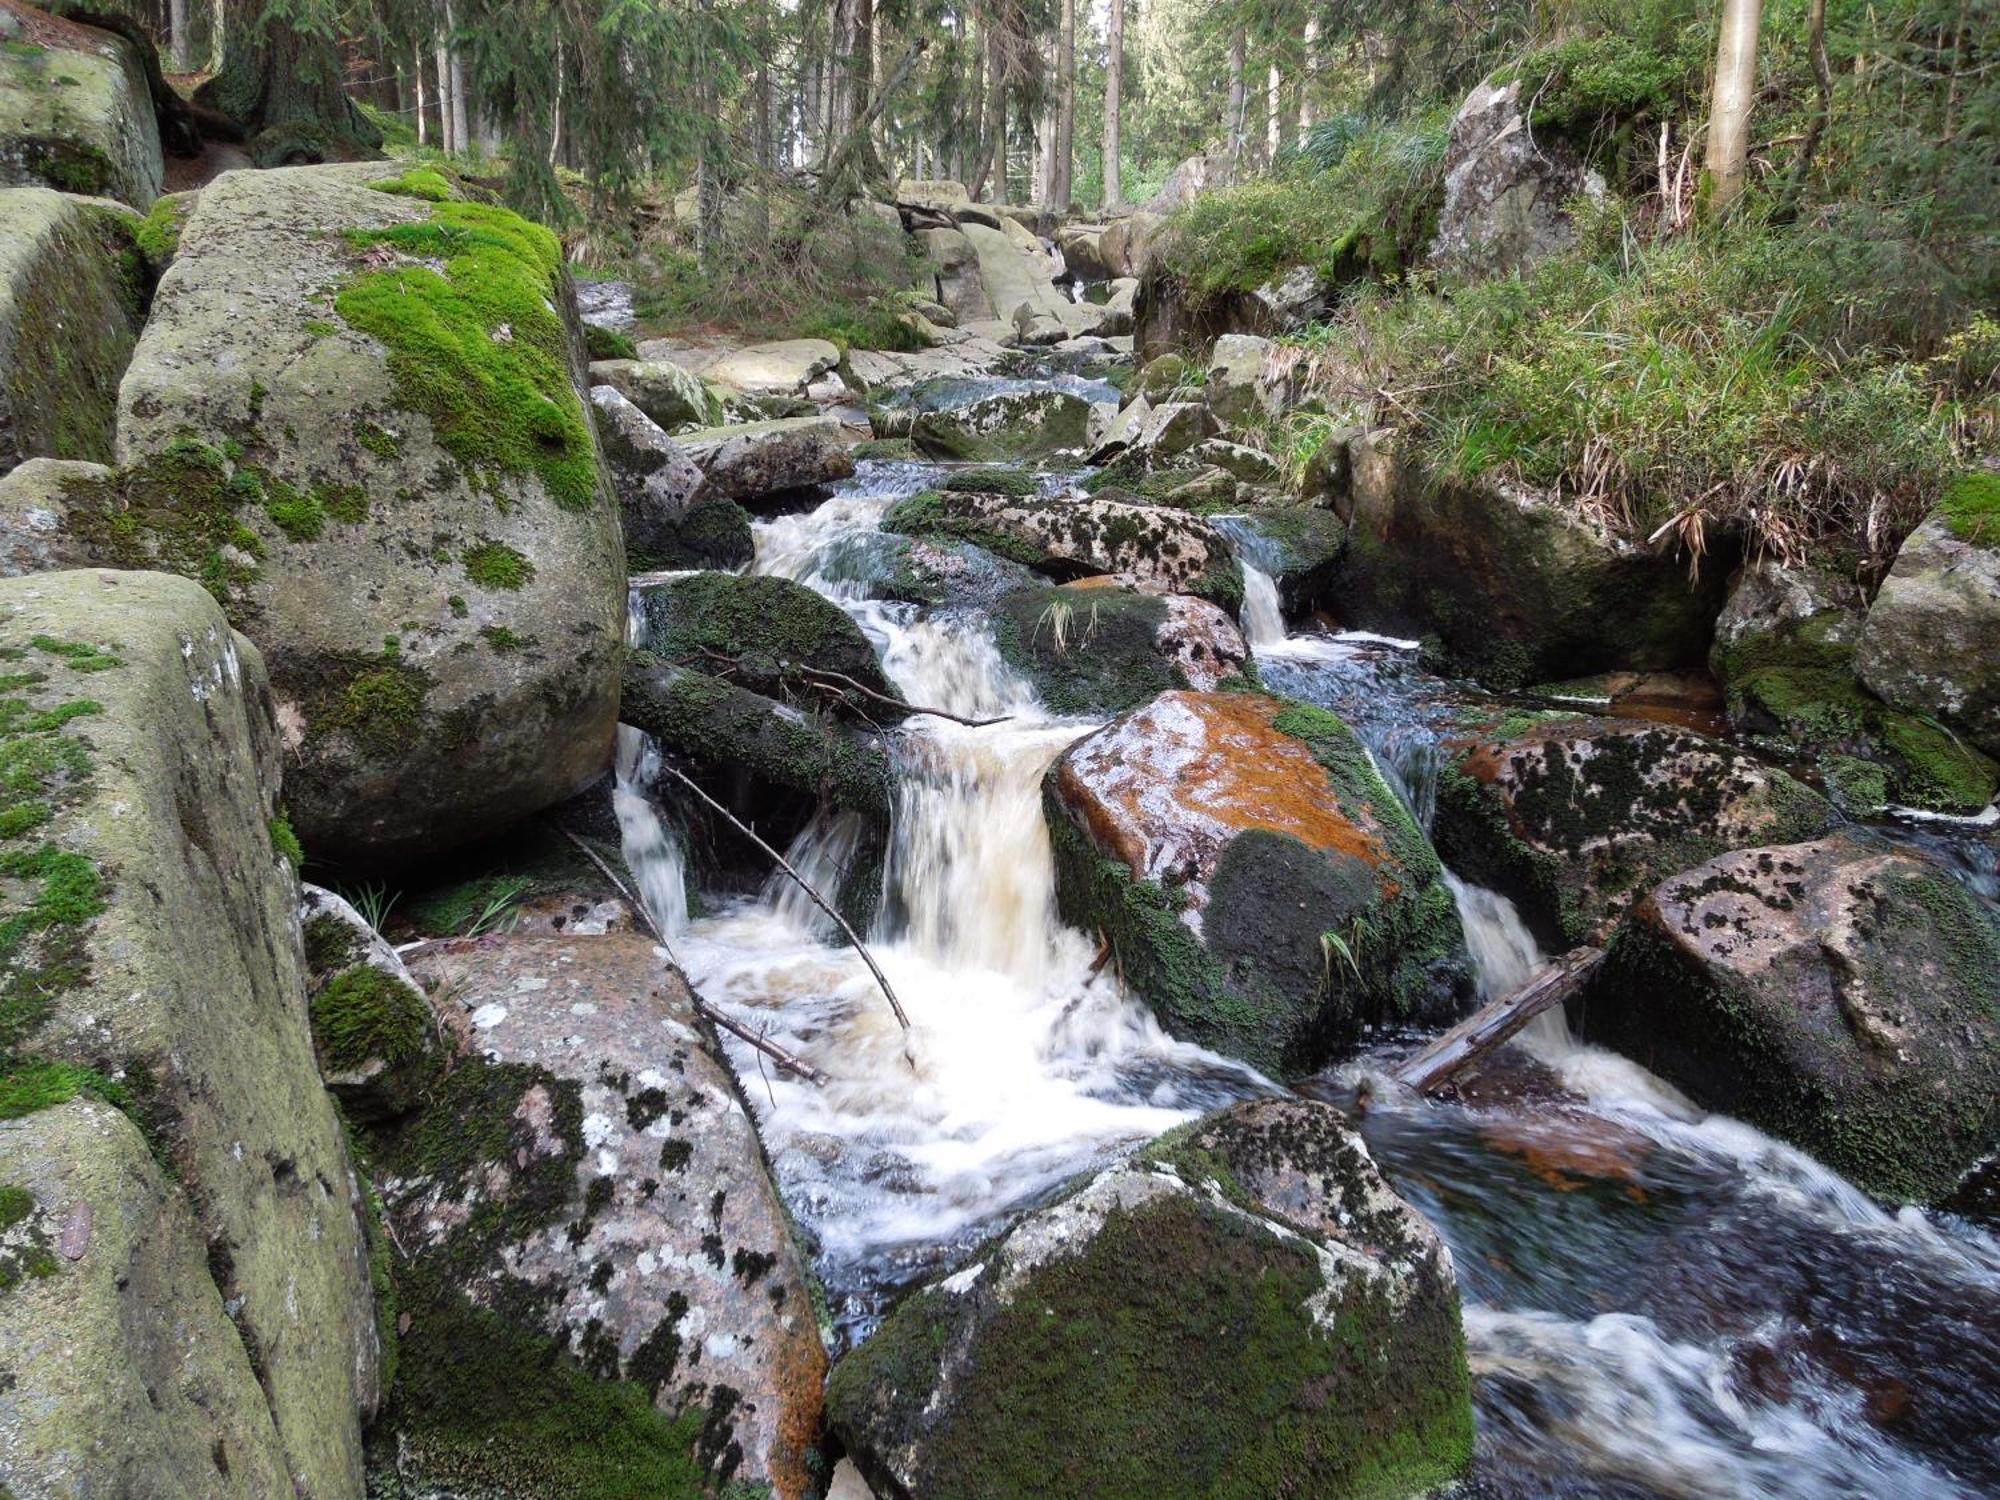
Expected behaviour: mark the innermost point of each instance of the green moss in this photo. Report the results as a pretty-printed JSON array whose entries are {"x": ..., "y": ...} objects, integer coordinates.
[
  {"x": 15, "y": 1205},
  {"x": 381, "y": 705},
  {"x": 458, "y": 606},
  {"x": 503, "y": 640},
  {"x": 301, "y": 517},
  {"x": 377, "y": 439},
  {"x": 160, "y": 236},
  {"x": 26, "y": 1087},
  {"x": 479, "y": 349},
  {"x": 494, "y": 565},
  {"x": 347, "y": 503},
  {"x": 1019, "y": 483},
  {"x": 331, "y": 945},
  {"x": 285, "y": 842},
  {"x": 1971, "y": 506},
  {"x": 1089, "y": 653},
  {"x": 426, "y": 183},
  {"x": 765, "y": 633},
  {"x": 365, "y": 1015},
  {"x": 607, "y": 343}
]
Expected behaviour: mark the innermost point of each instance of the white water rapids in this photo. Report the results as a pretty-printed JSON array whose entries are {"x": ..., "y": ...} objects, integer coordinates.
[{"x": 1591, "y": 1381}]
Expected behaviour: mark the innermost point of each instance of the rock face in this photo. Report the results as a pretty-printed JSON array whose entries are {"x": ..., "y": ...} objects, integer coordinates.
[
  {"x": 600, "y": 1281},
  {"x": 1235, "y": 388},
  {"x": 388, "y": 474},
  {"x": 783, "y": 368},
  {"x": 124, "y": 1374},
  {"x": 70, "y": 297},
  {"x": 1516, "y": 589},
  {"x": 1838, "y": 993},
  {"x": 1504, "y": 188},
  {"x": 1262, "y": 887},
  {"x": 1159, "y": 550},
  {"x": 665, "y": 524},
  {"x": 32, "y": 506},
  {"x": 670, "y": 395},
  {"x": 1005, "y": 425},
  {"x": 1246, "y": 1309},
  {"x": 379, "y": 1047},
  {"x": 1931, "y": 643},
  {"x": 75, "y": 115},
  {"x": 753, "y": 462},
  {"x": 1575, "y": 818},
  {"x": 167, "y": 963}
]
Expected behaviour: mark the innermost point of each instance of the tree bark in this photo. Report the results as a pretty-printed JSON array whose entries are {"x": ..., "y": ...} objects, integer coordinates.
[
  {"x": 423, "y": 129},
  {"x": 1066, "y": 115},
  {"x": 273, "y": 75},
  {"x": 1237, "y": 98},
  {"x": 1308, "y": 74},
  {"x": 1114, "y": 70},
  {"x": 1274, "y": 120},
  {"x": 177, "y": 35},
  {"x": 461, "y": 136},
  {"x": 1735, "y": 91}
]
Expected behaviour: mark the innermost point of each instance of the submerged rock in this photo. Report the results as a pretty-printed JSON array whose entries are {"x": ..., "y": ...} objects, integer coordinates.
[
  {"x": 1838, "y": 993},
  {"x": 1263, "y": 889},
  {"x": 753, "y": 462},
  {"x": 71, "y": 297},
  {"x": 1005, "y": 425},
  {"x": 157, "y": 961},
  {"x": 75, "y": 115},
  {"x": 1574, "y": 818},
  {"x": 598, "y": 1280},
  {"x": 1245, "y": 1309}
]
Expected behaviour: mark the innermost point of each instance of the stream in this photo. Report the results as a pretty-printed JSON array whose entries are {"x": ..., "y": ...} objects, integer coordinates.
[{"x": 1657, "y": 1301}]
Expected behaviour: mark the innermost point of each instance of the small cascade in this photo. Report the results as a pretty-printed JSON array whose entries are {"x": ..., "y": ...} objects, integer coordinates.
[
  {"x": 653, "y": 852},
  {"x": 1263, "y": 613},
  {"x": 1504, "y": 953}
]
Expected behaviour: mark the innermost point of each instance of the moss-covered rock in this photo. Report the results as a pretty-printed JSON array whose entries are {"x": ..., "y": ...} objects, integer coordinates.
[
  {"x": 1004, "y": 425},
  {"x": 122, "y": 1370},
  {"x": 601, "y": 1294},
  {"x": 71, "y": 297},
  {"x": 149, "y": 953},
  {"x": 379, "y": 1045},
  {"x": 1299, "y": 546},
  {"x": 356, "y": 415},
  {"x": 668, "y": 521},
  {"x": 1839, "y": 993},
  {"x": 1931, "y": 642},
  {"x": 75, "y": 115},
  {"x": 1574, "y": 818},
  {"x": 1515, "y": 587},
  {"x": 661, "y": 389},
  {"x": 1098, "y": 651},
  {"x": 1264, "y": 890},
  {"x": 1159, "y": 550},
  {"x": 1246, "y": 1311}
]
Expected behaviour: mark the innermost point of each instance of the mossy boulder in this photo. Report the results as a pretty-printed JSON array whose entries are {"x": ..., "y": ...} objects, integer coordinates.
[
  {"x": 1166, "y": 375},
  {"x": 1515, "y": 586},
  {"x": 1245, "y": 1310},
  {"x": 668, "y": 522},
  {"x": 1235, "y": 387},
  {"x": 1839, "y": 993},
  {"x": 1094, "y": 651},
  {"x": 1574, "y": 818},
  {"x": 1931, "y": 642},
  {"x": 671, "y": 396},
  {"x": 1784, "y": 653},
  {"x": 1298, "y": 546},
  {"x": 380, "y": 1047},
  {"x": 123, "y": 1372},
  {"x": 356, "y": 415},
  {"x": 1263, "y": 889},
  {"x": 768, "y": 466},
  {"x": 1066, "y": 538},
  {"x": 598, "y": 1289},
  {"x": 76, "y": 115},
  {"x": 768, "y": 634},
  {"x": 71, "y": 300},
  {"x": 152, "y": 957},
  {"x": 1004, "y": 425}
]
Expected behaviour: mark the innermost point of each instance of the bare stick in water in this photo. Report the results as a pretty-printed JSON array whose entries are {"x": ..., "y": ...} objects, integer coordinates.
[
  {"x": 785, "y": 1060},
  {"x": 818, "y": 900}
]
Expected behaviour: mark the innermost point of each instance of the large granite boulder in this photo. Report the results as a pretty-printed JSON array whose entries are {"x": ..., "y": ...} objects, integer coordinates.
[
  {"x": 1159, "y": 550},
  {"x": 356, "y": 414},
  {"x": 70, "y": 309},
  {"x": 75, "y": 113},
  {"x": 1264, "y": 890},
  {"x": 1515, "y": 587},
  {"x": 786, "y": 367},
  {"x": 765, "y": 633},
  {"x": 1004, "y": 425},
  {"x": 668, "y": 521},
  {"x": 157, "y": 962},
  {"x": 1246, "y": 1309},
  {"x": 1236, "y": 388},
  {"x": 598, "y": 1282},
  {"x": 1574, "y": 818},
  {"x": 1505, "y": 188},
  {"x": 955, "y": 269},
  {"x": 1931, "y": 642},
  {"x": 763, "y": 465},
  {"x": 1839, "y": 993},
  {"x": 670, "y": 395}
]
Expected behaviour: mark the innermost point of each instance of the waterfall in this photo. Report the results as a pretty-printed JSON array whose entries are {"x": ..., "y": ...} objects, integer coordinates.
[
  {"x": 1263, "y": 614},
  {"x": 652, "y": 850},
  {"x": 1504, "y": 953}
]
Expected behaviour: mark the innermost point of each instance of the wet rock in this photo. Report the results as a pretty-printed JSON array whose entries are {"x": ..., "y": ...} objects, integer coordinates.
[
  {"x": 1159, "y": 550},
  {"x": 75, "y": 115},
  {"x": 1097, "y": 651},
  {"x": 417, "y": 529},
  {"x": 379, "y": 1046},
  {"x": 1838, "y": 993},
  {"x": 758, "y": 464},
  {"x": 1785, "y": 653},
  {"x": 1235, "y": 387},
  {"x": 1505, "y": 189},
  {"x": 122, "y": 1369},
  {"x": 1931, "y": 642},
  {"x": 1264, "y": 890},
  {"x": 1574, "y": 818},
  {"x": 159, "y": 925},
  {"x": 1005, "y": 425},
  {"x": 1299, "y": 546},
  {"x": 1119, "y": 307},
  {"x": 768, "y": 634},
  {"x": 590, "y": 1235},
  {"x": 670, "y": 395},
  {"x": 70, "y": 309},
  {"x": 1515, "y": 586},
  {"x": 657, "y": 484},
  {"x": 1203, "y": 643},
  {"x": 1245, "y": 1308}
]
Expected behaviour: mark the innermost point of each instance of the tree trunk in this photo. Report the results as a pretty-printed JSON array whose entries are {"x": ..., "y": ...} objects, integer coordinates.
[
  {"x": 461, "y": 137},
  {"x": 422, "y": 128},
  {"x": 1114, "y": 70},
  {"x": 275, "y": 76},
  {"x": 446, "y": 138},
  {"x": 1237, "y": 98},
  {"x": 1274, "y": 119},
  {"x": 1066, "y": 117},
  {"x": 177, "y": 35},
  {"x": 1308, "y": 74},
  {"x": 1734, "y": 92}
]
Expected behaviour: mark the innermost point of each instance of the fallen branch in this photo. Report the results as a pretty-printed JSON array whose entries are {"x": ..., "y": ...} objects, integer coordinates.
[
  {"x": 777, "y": 1054},
  {"x": 1467, "y": 1043},
  {"x": 817, "y": 674},
  {"x": 805, "y": 885}
]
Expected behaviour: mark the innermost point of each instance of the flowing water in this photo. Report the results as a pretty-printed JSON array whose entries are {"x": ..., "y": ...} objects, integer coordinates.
[{"x": 1658, "y": 1302}]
